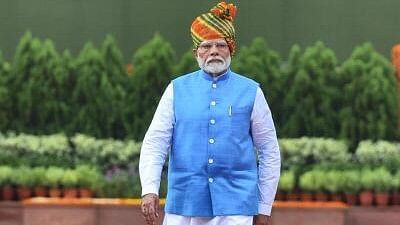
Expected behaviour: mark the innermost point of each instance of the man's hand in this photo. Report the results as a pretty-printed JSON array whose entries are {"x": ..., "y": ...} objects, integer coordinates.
[
  {"x": 262, "y": 220},
  {"x": 150, "y": 208}
]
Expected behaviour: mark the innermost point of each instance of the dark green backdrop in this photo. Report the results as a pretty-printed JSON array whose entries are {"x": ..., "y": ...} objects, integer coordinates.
[{"x": 341, "y": 24}]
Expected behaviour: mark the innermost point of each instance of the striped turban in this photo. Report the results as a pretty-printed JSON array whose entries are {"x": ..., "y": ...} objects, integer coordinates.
[{"x": 218, "y": 23}]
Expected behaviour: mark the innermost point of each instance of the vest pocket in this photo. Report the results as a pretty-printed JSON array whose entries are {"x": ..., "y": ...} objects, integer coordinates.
[{"x": 240, "y": 117}]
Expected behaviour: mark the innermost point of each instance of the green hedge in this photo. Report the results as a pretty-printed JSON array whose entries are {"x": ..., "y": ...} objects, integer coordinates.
[
  {"x": 335, "y": 181},
  {"x": 62, "y": 151},
  {"x": 313, "y": 164},
  {"x": 298, "y": 154},
  {"x": 311, "y": 94}
]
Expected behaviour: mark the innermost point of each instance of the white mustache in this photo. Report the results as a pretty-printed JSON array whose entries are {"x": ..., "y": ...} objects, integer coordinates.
[{"x": 217, "y": 58}]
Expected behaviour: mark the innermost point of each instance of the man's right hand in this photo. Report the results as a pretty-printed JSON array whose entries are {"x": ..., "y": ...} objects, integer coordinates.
[{"x": 150, "y": 208}]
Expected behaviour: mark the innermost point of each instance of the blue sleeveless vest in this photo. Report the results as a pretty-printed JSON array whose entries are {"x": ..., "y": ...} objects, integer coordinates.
[{"x": 212, "y": 167}]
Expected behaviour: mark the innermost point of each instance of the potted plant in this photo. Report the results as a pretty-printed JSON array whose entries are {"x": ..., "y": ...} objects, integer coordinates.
[
  {"x": 52, "y": 179},
  {"x": 334, "y": 184},
  {"x": 7, "y": 190},
  {"x": 351, "y": 186},
  {"x": 23, "y": 179},
  {"x": 320, "y": 187},
  {"x": 367, "y": 186},
  {"x": 69, "y": 182},
  {"x": 383, "y": 183},
  {"x": 307, "y": 185},
  {"x": 89, "y": 180},
  {"x": 396, "y": 189},
  {"x": 286, "y": 184},
  {"x": 39, "y": 185}
]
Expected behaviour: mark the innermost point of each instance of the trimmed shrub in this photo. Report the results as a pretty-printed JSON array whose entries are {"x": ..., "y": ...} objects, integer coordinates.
[{"x": 153, "y": 71}]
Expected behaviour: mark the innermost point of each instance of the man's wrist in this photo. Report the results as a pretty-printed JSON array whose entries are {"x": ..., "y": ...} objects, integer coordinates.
[
  {"x": 154, "y": 195},
  {"x": 264, "y": 209}
]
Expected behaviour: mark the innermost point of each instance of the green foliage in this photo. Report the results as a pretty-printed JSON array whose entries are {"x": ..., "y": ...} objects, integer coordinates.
[
  {"x": 69, "y": 179},
  {"x": 69, "y": 76},
  {"x": 22, "y": 177},
  {"x": 105, "y": 153},
  {"x": 369, "y": 104},
  {"x": 312, "y": 181},
  {"x": 153, "y": 65},
  {"x": 34, "y": 84},
  {"x": 383, "y": 180},
  {"x": 93, "y": 94},
  {"x": 58, "y": 150},
  {"x": 89, "y": 177},
  {"x": 367, "y": 180},
  {"x": 30, "y": 150},
  {"x": 187, "y": 64},
  {"x": 43, "y": 92},
  {"x": 312, "y": 94},
  {"x": 333, "y": 181},
  {"x": 262, "y": 64},
  {"x": 38, "y": 174},
  {"x": 396, "y": 181},
  {"x": 113, "y": 62},
  {"x": 4, "y": 94},
  {"x": 300, "y": 152},
  {"x": 53, "y": 177},
  {"x": 287, "y": 181},
  {"x": 351, "y": 181},
  {"x": 121, "y": 184},
  {"x": 6, "y": 174},
  {"x": 380, "y": 153}
]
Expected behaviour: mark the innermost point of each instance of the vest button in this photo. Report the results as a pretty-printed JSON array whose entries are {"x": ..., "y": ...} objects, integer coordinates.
[
  {"x": 210, "y": 180},
  {"x": 210, "y": 161},
  {"x": 214, "y": 85},
  {"x": 212, "y": 121},
  {"x": 213, "y": 103},
  {"x": 211, "y": 141}
]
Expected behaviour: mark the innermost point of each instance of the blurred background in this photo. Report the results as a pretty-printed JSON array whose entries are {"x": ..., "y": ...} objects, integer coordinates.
[{"x": 80, "y": 81}]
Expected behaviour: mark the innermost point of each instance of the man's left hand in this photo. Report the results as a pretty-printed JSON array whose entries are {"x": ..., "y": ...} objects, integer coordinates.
[{"x": 262, "y": 220}]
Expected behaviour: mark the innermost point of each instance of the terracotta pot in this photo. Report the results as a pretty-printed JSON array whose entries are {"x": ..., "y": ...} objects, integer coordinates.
[
  {"x": 85, "y": 193},
  {"x": 321, "y": 197},
  {"x": 396, "y": 198},
  {"x": 306, "y": 197},
  {"x": 7, "y": 193},
  {"x": 351, "y": 199},
  {"x": 336, "y": 197},
  {"x": 55, "y": 192},
  {"x": 292, "y": 196},
  {"x": 70, "y": 193},
  {"x": 382, "y": 199},
  {"x": 366, "y": 198},
  {"x": 40, "y": 192},
  {"x": 280, "y": 196},
  {"x": 24, "y": 193}
]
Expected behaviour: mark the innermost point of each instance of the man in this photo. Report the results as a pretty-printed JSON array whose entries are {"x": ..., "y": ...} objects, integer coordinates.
[{"x": 212, "y": 119}]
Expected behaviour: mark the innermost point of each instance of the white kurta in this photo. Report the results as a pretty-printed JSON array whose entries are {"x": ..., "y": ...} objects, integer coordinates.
[{"x": 158, "y": 140}]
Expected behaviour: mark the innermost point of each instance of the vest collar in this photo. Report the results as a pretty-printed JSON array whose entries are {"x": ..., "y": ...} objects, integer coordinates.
[{"x": 210, "y": 77}]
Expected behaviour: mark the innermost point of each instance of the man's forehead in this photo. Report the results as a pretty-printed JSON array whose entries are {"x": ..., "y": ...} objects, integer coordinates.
[{"x": 219, "y": 40}]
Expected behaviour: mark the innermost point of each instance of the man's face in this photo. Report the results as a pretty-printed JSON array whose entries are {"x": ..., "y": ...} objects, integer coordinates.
[{"x": 213, "y": 56}]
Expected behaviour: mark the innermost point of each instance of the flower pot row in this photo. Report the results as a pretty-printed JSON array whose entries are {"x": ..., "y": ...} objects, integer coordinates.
[
  {"x": 364, "y": 198},
  {"x": 381, "y": 185},
  {"x": 23, "y": 182},
  {"x": 11, "y": 193}
]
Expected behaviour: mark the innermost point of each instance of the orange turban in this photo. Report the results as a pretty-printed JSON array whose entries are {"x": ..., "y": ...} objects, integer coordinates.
[{"x": 218, "y": 23}]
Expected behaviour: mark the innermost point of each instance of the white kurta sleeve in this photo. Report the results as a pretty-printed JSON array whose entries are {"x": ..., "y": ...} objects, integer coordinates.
[
  {"x": 266, "y": 143},
  {"x": 156, "y": 144}
]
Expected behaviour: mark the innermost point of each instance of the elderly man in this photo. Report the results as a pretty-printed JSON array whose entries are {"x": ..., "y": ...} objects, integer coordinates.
[{"x": 211, "y": 120}]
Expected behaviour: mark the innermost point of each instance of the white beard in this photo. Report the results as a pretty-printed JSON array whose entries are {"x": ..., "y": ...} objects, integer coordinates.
[{"x": 214, "y": 67}]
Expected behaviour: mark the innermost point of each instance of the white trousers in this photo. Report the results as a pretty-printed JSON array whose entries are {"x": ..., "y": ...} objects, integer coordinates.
[{"x": 173, "y": 219}]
